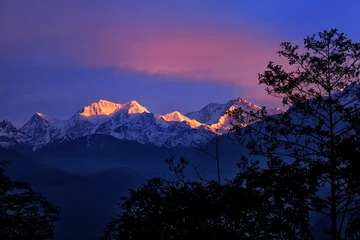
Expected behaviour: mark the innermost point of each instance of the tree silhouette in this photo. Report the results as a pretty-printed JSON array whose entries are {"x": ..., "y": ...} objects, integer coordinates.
[
  {"x": 243, "y": 208},
  {"x": 24, "y": 214},
  {"x": 312, "y": 147},
  {"x": 320, "y": 128},
  {"x": 207, "y": 149}
]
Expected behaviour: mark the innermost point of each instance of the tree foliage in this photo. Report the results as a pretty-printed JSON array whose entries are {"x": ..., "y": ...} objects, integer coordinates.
[
  {"x": 24, "y": 214},
  {"x": 243, "y": 208},
  {"x": 311, "y": 152},
  {"x": 319, "y": 132}
]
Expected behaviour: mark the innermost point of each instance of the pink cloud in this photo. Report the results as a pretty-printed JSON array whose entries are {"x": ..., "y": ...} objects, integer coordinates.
[
  {"x": 215, "y": 55},
  {"x": 198, "y": 52}
]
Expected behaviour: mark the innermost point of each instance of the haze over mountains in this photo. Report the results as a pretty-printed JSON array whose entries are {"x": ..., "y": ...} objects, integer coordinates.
[{"x": 129, "y": 121}]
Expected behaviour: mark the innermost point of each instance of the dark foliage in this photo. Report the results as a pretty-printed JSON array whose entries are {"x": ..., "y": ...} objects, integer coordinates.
[
  {"x": 312, "y": 147},
  {"x": 320, "y": 130},
  {"x": 244, "y": 208},
  {"x": 24, "y": 214}
]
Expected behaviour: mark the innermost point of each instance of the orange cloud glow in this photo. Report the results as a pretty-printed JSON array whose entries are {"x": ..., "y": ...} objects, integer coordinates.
[
  {"x": 200, "y": 52},
  {"x": 203, "y": 55}
]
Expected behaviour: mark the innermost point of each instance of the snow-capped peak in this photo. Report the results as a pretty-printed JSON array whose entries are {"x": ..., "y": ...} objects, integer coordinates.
[
  {"x": 130, "y": 121},
  {"x": 174, "y": 116},
  {"x": 239, "y": 102},
  {"x": 100, "y": 108},
  {"x": 348, "y": 95},
  {"x": 134, "y": 107},
  {"x": 10, "y": 135},
  {"x": 38, "y": 120},
  {"x": 212, "y": 113},
  {"x": 107, "y": 108},
  {"x": 40, "y": 115},
  {"x": 178, "y": 117},
  {"x": 44, "y": 117},
  {"x": 6, "y": 125}
]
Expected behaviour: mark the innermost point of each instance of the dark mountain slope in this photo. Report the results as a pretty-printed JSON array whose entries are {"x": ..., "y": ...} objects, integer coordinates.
[{"x": 87, "y": 201}]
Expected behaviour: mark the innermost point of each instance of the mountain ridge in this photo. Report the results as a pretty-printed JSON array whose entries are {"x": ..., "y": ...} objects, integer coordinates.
[{"x": 129, "y": 121}]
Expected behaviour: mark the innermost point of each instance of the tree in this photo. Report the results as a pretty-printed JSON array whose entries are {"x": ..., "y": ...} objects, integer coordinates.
[
  {"x": 24, "y": 214},
  {"x": 320, "y": 89},
  {"x": 244, "y": 208},
  {"x": 283, "y": 212},
  {"x": 207, "y": 149}
]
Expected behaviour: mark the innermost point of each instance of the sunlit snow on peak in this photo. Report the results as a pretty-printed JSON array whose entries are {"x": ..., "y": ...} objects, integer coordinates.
[
  {"x": 107, "y": 108},
  {"x": 45, "y": 117},
  {"x": 178, "y": 117}
]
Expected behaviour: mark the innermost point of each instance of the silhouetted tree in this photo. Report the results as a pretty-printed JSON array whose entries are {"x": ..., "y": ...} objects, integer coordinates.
[
  {"x": 244, "y": 208},
  {"x": 24, "y": 214},
  {"x": 284, "y": 209},
  {"x": 320, "y": 128},
  {"x": 207, "y": 149}
]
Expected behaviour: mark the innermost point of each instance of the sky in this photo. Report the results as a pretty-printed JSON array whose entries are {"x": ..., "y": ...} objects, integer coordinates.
[{"x": 58, "y": 56}]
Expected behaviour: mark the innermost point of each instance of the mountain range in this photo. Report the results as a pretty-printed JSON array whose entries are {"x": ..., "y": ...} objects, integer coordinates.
[
  {"x": 92, "y": 158},
  {"x": 128, "y": 121}
]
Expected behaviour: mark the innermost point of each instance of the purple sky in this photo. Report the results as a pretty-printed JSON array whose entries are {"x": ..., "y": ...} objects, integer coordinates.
[{"x": 57, "y": 56}]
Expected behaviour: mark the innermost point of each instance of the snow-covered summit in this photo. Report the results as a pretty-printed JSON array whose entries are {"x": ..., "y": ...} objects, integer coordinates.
[
  {"x": 7, "y": 126},
  {"x": 211, "y": 113},
  {"x": 107, "y": 108},
  {"x": 178, "y": 117},
  {"x": 36, "y": 122},
  {"x": 10, "y": 135},
  {"x": 349, "y": 95},
  {"x": 130, "y": 121},
  {"x": 45, "y": 117},
  {"x": 214, "y": 114}
]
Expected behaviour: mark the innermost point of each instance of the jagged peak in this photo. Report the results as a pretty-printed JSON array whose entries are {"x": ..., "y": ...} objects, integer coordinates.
[
  {"x": 37, "y": 119},
  {"x": 100, "y": 108},
  {"x": 350, "y": 89},
  {"x": 43, "y": 116},
  {"x": 135, "y": 107},
  {"x": 40, "y": 116},
  {"x": 238, "y": 100},
  {"x": 174, "y": 113},
  {"x": 134, "y": 102},
  {"x": 107, "y": 108},
  {"x": 176, "y": 116},
  {"x": 5, "y": 121},
  {"x": 6, "y": 124}
]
